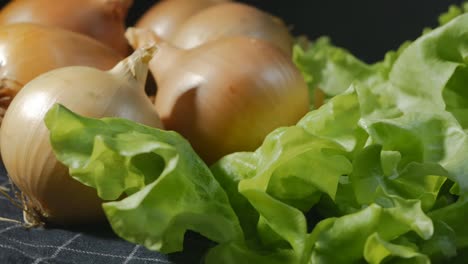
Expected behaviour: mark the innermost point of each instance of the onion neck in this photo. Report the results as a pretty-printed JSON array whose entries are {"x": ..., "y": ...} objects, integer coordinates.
[
  {"x": 166, "y": 56},
  {"x": 135, "y": 66}
]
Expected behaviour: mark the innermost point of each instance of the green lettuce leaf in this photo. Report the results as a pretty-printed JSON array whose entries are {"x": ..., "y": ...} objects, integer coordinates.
[
  {"x": 350, "y": 234},
  {"x": 165, "y": 188},
  {"x": 377, "y": 251},
  {"x": 337, "y": 121},
  {"x": 414, "y": 181},
  {"x": 452, "y": 229},
  {"x": 333, "y": 69},
  {"x": 453, "y": 12},
  {"x": 431, "y": 78},
  {"x": 272, "y": 187}
]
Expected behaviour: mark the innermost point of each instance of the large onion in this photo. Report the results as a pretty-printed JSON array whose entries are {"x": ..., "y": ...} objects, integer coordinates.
[
  {"x": 103, "y": 20},
  {"x": 29, "y": 50},
  {"x": 51, "y": 194},
  {"x": 226, "y": 95}
]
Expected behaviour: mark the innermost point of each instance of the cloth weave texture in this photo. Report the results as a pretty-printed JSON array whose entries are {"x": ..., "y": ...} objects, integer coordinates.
[{"x": 80, "y": 245}]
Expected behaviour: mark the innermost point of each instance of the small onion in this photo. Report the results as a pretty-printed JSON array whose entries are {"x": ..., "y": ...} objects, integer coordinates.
[
  {"x": 29, "y": 50},
  {"x": 232, "y": 19},
  {"x": 27, "y": 154},
  {"x": 103, "y": 20},
  {"x": 226, "y": 95},
  {"x": 165, "y": 17}
]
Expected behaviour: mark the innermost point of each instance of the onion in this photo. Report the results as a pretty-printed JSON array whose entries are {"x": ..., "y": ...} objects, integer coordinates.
[
  {"x": 51, "y": 194},
  {"x": 29, "y": 50},
  {"x": 103, "y": 20},
  {"x": 165, "y": 17},
  {"x": 232, "y": 19},
  {"x": 226, "y": 95}
]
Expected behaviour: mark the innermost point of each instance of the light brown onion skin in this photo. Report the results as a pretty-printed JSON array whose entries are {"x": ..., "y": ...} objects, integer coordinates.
[
  {"x": 225, "y": 96},
  {"x": 232, "y": 19},
  {"x": 29, "y": 50},
  {"x": 25, "y": 146},
  {"x": 103, "y": 20},
  {"x": 165, "y": 17}
]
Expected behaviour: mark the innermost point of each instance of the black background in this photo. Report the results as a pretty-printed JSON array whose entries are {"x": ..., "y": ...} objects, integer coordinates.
[{"x": 368, "y": 28}]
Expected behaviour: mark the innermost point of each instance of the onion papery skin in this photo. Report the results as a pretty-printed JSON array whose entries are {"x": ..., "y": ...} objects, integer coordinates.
[
  {"x": 103, "y": 20},
  {"x": 165, "y": 17},
  {"x": 229, "y": 20},
  {"x": 227, "y": 95}
]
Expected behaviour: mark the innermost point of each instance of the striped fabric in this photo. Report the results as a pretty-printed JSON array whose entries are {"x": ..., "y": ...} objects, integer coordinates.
[{"x": 81, "y": 245}]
